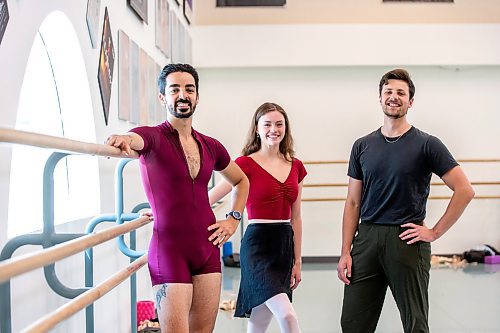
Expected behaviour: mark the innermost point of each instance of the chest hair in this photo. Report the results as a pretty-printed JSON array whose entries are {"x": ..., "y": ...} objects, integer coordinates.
[{"x": 192, "y": 153}]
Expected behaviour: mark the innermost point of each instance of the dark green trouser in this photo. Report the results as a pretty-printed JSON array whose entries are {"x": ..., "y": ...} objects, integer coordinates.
[{"x": 381, "y": 259}]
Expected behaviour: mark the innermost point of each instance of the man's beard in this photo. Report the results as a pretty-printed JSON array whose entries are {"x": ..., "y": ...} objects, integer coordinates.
[
  {"x": 181, "y": 115},
  {"x": 399, "y": 114}
]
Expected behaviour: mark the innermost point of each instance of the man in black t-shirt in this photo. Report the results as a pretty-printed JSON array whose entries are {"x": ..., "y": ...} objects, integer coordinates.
[{"x": 389, "y": 180}]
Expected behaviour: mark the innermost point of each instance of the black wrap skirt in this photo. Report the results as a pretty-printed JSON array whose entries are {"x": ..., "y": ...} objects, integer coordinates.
[{"x": 267, "y": 257}]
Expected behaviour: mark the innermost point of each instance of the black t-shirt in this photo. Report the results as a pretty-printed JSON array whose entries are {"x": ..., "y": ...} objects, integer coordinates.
[{"x": 396, "y": 176}]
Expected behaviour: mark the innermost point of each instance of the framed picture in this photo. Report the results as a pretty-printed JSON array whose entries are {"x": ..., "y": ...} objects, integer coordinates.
[
  {"x": 159, "y": 109},
  {"x": 143, "y": 87},
  {"x": 181, "y": 54},
  {"x": 152, "y": 95},
  {"x": 184, "y": 45},
  {"x": 93, "y": 11},
  {"x": 106, "y": 64},
  {"x": 162, "y": 27},
  {"x": 188, "y": 10},
  {"x": 134, "y": 82},
  {"x": 124, "y": 91},
  {"x": 188, "y": 46},
  {"x": 250, "y": 3},
  {"x": 140, "y": 7},
  {"x": 175, "y": 37},
  {"x": 4, "y": 18}
]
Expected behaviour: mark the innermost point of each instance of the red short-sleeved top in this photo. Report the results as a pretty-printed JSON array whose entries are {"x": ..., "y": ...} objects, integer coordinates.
[{"x": 269, "y": 198}]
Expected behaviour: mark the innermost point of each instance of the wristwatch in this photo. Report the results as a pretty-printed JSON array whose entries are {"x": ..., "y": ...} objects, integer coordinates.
[{"x": 235, "y": 215}]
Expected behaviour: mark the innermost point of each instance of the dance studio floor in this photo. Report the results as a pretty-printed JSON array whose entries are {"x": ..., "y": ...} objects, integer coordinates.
[{"x": 466, "y": 300}]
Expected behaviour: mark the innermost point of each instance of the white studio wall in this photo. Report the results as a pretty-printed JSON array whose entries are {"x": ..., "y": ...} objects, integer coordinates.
[
  {"x": 345, "y": 45},
  {"x": 329, "y": 107}
]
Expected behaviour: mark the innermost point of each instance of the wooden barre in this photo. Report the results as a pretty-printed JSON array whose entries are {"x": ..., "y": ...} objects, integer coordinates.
[
  {"x": 475, "y": 183},
  {"x": 47, "y": 322},
  {"x": 325, "y": 162},
  {"x": 326, "y": 185},
  {"x": 322, "y": 199},
  {"x": 433, "y": 184},
  {"x": 8, "y": 135},
  {"x": 465, "y": 160},
  {"x": 479, "y": 160},
  {"x": 436, "y": 197},
  {"x": 25, "y": 263},
  {"x": 61, "y": 144}
]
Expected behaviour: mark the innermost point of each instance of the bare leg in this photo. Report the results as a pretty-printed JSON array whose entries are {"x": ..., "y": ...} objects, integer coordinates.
[
  {"x": 173, "y": 301},
  {"x": 259, "y": 319},
  {"x": 206, "y": 297}
]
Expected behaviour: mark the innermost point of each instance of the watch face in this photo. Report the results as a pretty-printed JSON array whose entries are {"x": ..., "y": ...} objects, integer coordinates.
[{"x": 236, "y": 215}]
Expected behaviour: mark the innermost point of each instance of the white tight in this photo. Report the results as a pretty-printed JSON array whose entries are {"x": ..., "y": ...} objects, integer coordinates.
[{"x": 281, "y": 308}]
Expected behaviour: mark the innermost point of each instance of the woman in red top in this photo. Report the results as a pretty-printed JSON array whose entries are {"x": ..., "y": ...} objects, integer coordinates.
[{"x": 270, "y": 251}]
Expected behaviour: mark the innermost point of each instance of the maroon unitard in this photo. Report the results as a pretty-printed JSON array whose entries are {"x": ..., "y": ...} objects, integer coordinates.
[{"x": 179, "y": 246}]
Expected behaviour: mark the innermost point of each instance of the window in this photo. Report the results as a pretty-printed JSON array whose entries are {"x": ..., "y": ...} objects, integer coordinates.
[{"x": 54, "y": 99}]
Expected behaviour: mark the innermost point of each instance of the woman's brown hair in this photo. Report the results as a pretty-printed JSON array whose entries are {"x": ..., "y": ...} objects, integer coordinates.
[{"x": 253, "y": 143}]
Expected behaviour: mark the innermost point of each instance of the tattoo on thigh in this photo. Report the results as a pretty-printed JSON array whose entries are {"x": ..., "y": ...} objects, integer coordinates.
[{"x": 160, "y": 294}]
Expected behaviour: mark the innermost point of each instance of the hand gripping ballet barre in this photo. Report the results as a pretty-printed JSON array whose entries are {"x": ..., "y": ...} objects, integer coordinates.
[{"x": 8, "y": 135}]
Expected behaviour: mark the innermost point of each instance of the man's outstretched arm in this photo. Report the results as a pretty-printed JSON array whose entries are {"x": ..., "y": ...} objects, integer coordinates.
[{"x": 128, "y": 143}]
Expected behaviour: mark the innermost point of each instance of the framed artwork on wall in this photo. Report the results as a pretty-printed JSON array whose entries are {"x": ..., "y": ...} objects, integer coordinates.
[
  {"x": 137, "y": 91},
  {"x": 188, "y": 56},
  {"x": 134, "y": 82},
  {"x": 181, "y": 41},
  {"x": 187, "y": 8},
  {"x": 140, "y": 7},
  {"x": 152, "y": 95},
  {"x": 93, "y": 11},
  {"x": 162, "y": 27},
  {"x": 124, "y": 91},
  {"x": 250, "y": 3},
  {"x": 143, "y": 87},
  {"x": 106, "y": 64},
  {"x": 175, "y": 33},
  {"x": 159, "y": 109},
  {"x": 4, "y": 18}
]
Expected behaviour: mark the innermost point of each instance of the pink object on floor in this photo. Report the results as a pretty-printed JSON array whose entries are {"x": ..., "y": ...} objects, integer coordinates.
[
  {"x": 492, "y": 259},
  {"x": 145, "y": 311}
]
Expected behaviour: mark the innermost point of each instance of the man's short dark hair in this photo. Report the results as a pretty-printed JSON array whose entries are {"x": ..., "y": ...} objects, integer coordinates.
[
  {"x": 173, "y": 68},
  {"x": 397, "y": 74}
]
